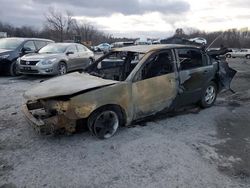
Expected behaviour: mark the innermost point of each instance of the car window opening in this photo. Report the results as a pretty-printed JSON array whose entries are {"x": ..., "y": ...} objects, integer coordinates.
[
  {"x": 116, "y": 65},
  {"x": 189, "y": 59},
  {"x": 158, "y": 65}
]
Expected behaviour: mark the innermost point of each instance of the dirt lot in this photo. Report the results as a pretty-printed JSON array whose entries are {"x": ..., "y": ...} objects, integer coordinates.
[{"x": 193, "y": 148}]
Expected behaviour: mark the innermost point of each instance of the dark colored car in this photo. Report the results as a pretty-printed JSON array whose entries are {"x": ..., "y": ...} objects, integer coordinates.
[
  {"x": 13, "y": 48},
  {"x": 125, "y": 85}
]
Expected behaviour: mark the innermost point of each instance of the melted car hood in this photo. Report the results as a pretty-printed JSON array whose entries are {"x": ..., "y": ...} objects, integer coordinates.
[{"x": 66, "y": 85}]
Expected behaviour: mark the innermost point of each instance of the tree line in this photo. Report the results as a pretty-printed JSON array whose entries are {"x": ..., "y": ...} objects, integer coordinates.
[
  {"x": 232, "y": 38},
  {"x": 62, "y": 26}
]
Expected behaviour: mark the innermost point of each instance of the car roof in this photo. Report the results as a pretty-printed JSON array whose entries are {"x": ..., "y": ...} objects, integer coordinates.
[
  {"x": 65, "y": 43},
  {"x": 148, "y": 48},
  {"x": 24, "y": 39}
]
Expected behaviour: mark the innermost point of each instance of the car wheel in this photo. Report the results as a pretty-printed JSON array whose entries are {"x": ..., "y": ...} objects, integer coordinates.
[
  {"x": 62, "y": 68},
  {"x": 228, "y": 56},
  {"x": 104, "y": 122},
  {"x": 209, "y": 95},
  {"x": 13, "y": 69},
  {"x": 248, "y": 56}
]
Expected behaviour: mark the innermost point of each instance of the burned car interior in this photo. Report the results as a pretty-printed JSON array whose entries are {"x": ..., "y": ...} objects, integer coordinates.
[{"x": 115, "y": 65}]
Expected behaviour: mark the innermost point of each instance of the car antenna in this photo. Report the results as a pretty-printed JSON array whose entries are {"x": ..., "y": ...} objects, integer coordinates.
[{"x": 214, "y": 41}]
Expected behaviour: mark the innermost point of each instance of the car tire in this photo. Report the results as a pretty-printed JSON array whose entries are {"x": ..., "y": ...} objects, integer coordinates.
[
  {"x": 13, "y": 69},
  {"x": 248, "y": 56},
  {"x": 105, "y": 121},
  {"x": 209, "y": 95},
  {"x": 62, "y": 68},
  {"x": 228, "y": 56}
]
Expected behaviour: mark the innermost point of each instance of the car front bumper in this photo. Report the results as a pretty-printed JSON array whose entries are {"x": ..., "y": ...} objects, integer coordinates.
[
  {"x": 40, "y": 70},
  {"x": 44, "y": 124}
]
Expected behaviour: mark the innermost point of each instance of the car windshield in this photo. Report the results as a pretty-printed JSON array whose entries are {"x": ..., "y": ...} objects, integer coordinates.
[
  {"x": 53, "y": 48},
  {"x": 10, "y": 44}
]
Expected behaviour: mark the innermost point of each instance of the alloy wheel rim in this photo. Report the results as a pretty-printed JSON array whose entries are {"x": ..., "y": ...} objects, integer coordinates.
[
  {"x": 210, "y": 95},
  {"x": 62, "y": 69},
  {"x": 106, "y": 124}
]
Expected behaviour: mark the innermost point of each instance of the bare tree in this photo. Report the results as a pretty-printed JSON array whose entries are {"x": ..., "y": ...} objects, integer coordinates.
[{"x": 59, "y": 23}]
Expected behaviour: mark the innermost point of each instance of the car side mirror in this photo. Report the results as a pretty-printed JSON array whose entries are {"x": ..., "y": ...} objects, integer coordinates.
[
  {"x": 68, "y": 53},
  {"x": 26, "y": 50}
]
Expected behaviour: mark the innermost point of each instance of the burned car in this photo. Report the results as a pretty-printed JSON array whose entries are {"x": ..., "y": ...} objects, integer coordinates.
[{"x": 125, "y": 85}]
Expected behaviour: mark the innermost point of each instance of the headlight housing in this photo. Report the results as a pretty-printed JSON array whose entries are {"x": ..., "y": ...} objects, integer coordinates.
[
  {"x": 18, "y": 60},
  {"x": 4, "y": 56},
  {"x": 48, "y": 61}
]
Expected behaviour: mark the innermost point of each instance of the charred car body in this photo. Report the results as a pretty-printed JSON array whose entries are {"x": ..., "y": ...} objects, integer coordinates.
[{"x": 127, "y": 84}]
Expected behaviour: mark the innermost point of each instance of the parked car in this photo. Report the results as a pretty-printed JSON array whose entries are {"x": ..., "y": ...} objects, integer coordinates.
[
  {"x": 199, "y": 40},
  {"x": 127, "y": 84},
  {"x": 104, "y": 47},
  {"x": 241, "y": 53},
  {"x": 56, "y": 59},
  {"x": 13, "y": 48}
]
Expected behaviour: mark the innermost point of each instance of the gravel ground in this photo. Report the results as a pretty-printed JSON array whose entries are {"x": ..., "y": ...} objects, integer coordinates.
[{"x": 193, "y": 148}]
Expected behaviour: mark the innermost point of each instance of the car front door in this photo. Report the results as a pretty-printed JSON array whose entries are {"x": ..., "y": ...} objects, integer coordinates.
[
  {"x": 72, "y": 55},
  {"x": 195, "y": 72},
  {"x": 154, "y": 86}
]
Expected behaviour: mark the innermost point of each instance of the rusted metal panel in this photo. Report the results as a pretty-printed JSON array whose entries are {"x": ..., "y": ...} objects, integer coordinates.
[
  {"x": 154, "y": 94},
  {"x": 66, "y": 85},
  {"x": 148, "y": 48},
  {"x": 118, "y": 94}
]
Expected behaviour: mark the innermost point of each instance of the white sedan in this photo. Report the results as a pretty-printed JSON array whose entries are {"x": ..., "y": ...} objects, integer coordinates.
[{"x": 199, "y": 40}]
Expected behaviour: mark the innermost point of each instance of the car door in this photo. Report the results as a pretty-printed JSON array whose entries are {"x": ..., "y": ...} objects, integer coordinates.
[
  {"x": 83, "y": 59},
  {"x": 195, "y": 72},
  {"x": 154, "y": 86},
  {"x": 72, "y": 56},
  {"x": 243, "y": 53}
]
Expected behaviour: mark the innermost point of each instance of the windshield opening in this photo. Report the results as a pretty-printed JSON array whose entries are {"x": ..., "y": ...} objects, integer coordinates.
[
  {"x": 10, "y": 44},
  {"x": 115, "y": 65},
  {"x": 53, "y": 48}
]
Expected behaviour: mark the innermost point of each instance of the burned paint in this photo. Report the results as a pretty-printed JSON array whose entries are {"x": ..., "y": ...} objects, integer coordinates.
[{"x": 60, "y": 102}]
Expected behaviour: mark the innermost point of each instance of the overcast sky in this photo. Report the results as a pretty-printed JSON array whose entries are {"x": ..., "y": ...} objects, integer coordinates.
[{"x": 135, "y": 18}]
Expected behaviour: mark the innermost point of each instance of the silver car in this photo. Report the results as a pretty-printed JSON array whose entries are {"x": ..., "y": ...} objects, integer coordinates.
[{"x": 56, "y": 59}]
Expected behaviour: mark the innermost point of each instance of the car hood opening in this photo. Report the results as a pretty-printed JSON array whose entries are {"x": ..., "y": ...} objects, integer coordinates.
[{"x": 66, "y": 85}]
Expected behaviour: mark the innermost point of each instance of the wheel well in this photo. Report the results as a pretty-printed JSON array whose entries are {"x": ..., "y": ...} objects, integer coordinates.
[
  {"x": 215, "y": 81},
  {"x": 115, "y": 107},
  {"x": 247, "y": 55},
  {"x": 62, "y": 61},
  {"x": 5, "y": 66}
]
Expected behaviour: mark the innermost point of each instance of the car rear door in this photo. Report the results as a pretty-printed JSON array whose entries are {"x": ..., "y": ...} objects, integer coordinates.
[
  {"x": 154, "y": 86},
  {"x": 83, "y": 59},
  {"x": 195, "y": 72}
]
